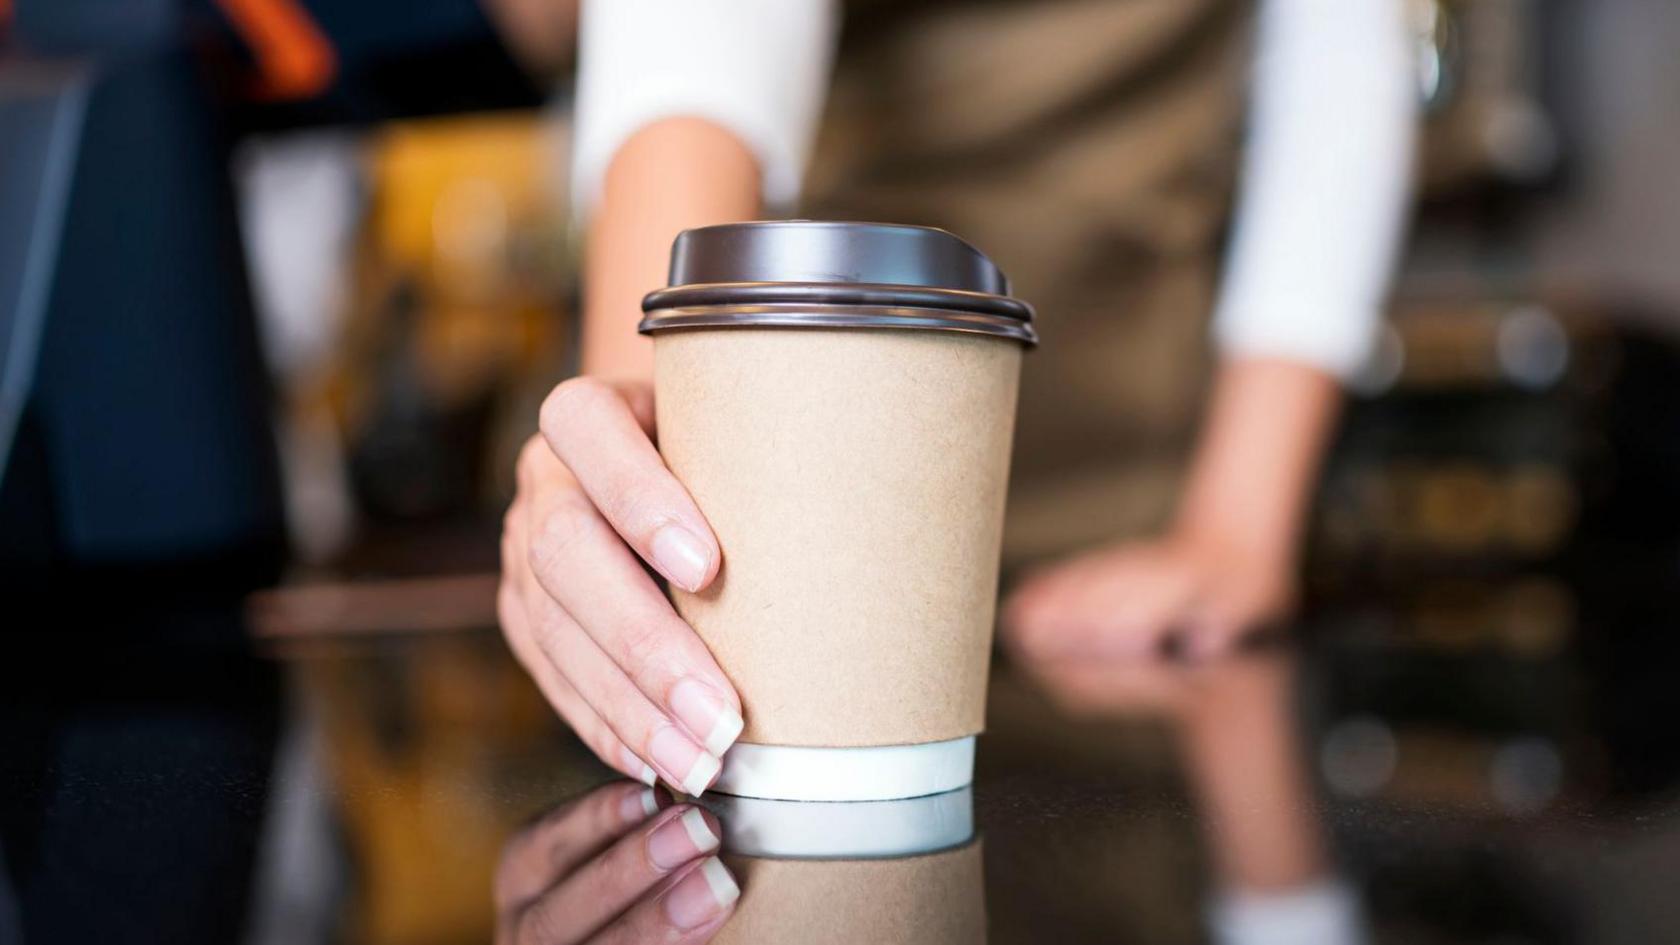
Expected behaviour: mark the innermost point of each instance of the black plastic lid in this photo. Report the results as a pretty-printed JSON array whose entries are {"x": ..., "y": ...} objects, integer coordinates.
[
  {"x": 834, "y": 274},
  {"x": 830, "y": 252}
]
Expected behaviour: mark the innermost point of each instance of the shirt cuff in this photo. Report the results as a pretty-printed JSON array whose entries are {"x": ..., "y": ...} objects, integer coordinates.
[
  {"x": 1339, "y": 342},
  {"x": 1322, "y": 913}
]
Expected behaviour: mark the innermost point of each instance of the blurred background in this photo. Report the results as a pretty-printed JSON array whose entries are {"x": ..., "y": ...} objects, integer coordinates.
[
  {"x": 417, "y": 286},
  {"x": 1490, "y": 646}
]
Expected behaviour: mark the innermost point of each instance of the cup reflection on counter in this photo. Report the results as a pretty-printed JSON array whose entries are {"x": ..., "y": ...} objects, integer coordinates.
[
  {"x": 624, "y": 863},
  {"x": 878, "y": 871}
]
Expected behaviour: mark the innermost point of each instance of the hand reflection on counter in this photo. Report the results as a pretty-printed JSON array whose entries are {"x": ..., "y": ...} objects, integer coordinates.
[
  {"x": 618, "y": 865},
  {"x": 1238, "y": 737}
]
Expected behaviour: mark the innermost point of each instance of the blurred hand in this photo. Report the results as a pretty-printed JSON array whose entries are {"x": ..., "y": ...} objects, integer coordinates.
[
  {"x": 616, "y": 866},
  {"x": 1227, "y": 567},
  {"x": 1127, "y": 601},
  {"x": 1235, "y": 691},
  {"x": 583, "y": 616}
]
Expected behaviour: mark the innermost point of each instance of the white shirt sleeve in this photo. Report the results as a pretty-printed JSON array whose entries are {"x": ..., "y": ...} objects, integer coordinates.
[
  {"x": 759, "y": 68},
  {"x": 1325, "y": 183}
]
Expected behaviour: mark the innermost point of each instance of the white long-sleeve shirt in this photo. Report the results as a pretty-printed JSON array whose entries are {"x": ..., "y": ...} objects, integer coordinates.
[
  {"x": 1325, "y": 176},
  {"x": 1325, "y": 181},
  {"x": 759, "y": 68}
]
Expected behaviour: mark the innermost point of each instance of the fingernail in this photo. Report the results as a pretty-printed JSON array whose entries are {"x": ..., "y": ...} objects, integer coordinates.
[
  {"x": 639, "y": 806},
  {"x": 702, "y": 895},
  {"x": 705, "y": 713},
  {"x": 681, "y": 556},
  {"x": 701, "y": 776},
  {"x": 684, "y": 760},
  {"x": 644, "y": 771},
  {"x": 681, "y": 840}
]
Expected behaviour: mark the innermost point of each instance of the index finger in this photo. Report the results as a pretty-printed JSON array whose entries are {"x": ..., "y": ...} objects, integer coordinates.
[
  {"x": 541, "y": 854},
  {"x": 593, "y": 430}
]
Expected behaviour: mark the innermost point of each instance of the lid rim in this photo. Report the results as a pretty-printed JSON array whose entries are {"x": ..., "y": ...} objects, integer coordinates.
[
  {"x": 835, "y": 293},
  {"x": 839, "y": 317}
]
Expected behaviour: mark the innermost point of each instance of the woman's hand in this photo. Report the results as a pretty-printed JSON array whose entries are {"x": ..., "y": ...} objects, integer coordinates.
[
  {"x": 1126, "y": 601},
  {"x": 617, "y": 866},
  {"x": 587, "y": 621},
  {"x": 1228, "y": 566}
]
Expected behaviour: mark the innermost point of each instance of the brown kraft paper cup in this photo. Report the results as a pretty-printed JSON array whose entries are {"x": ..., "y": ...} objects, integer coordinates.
[{"x": 854, "y": 473}]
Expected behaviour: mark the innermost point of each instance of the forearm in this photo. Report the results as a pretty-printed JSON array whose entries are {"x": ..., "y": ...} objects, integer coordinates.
[
  {"x": 674, "y": 174},
  {"x": 1324, "y": 187},
  {"x": 687, "y": 114},
  {"x": 1263, "y": 439}
]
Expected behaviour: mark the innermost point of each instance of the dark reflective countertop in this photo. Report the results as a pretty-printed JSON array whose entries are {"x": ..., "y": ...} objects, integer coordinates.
[{"x": 1473, "y": 758}]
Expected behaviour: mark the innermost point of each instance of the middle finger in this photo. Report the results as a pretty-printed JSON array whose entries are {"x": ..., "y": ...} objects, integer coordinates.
[
  {"x": 638, "y": 723},
  {"x": 600, "y": 583}
]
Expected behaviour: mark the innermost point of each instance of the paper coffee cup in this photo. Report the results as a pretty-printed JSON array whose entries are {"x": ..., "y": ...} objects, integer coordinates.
[{"x": 840, "y": 400}]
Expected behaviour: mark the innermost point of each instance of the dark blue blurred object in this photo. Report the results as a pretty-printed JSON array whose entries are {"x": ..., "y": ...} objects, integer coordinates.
[
  {"x": 147, "y": 406},
  {"x": 139, "y": 486},
  {"x": 41, "y": 110}
]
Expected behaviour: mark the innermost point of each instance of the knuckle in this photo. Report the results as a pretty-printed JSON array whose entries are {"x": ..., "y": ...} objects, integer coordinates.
[
  {"x": 629, "y": 868},
  {"x": 507, "y": 606},
  {"x": 571, "y": 520},
  {"x": 634, "y": 500},
  {"x": 540, "y": 925},
  {"x": 548, "y": 638},
  {"x": 530, "y": 456},
  {"x": 639, "y": 644},
  {"x": 512, "y": 526},
  {"x": 510, "y": 529},
  {"x": 569, "y": 400}
]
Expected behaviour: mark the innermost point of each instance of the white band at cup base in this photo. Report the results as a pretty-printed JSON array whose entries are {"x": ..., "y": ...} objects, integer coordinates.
[
  {"x": 911, "y": 826},
  {"x": 792, "y": 773}
]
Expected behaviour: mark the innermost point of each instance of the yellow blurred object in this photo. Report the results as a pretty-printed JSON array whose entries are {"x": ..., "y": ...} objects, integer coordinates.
[
  {"x": 460, "y": 317},
  {"x": 447, "y": 190},
  {"x": 470, "y": 209}
]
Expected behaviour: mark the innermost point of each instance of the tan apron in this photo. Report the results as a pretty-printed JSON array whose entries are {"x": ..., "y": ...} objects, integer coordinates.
[{"x": 1089, "y": 147}]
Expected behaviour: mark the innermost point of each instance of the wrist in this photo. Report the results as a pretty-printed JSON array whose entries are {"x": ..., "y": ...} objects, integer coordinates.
[
  {"x": 1256, "y": 461},
  {"x": 1235, "y": 537},
  {"x": 675, "y": 174}
]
